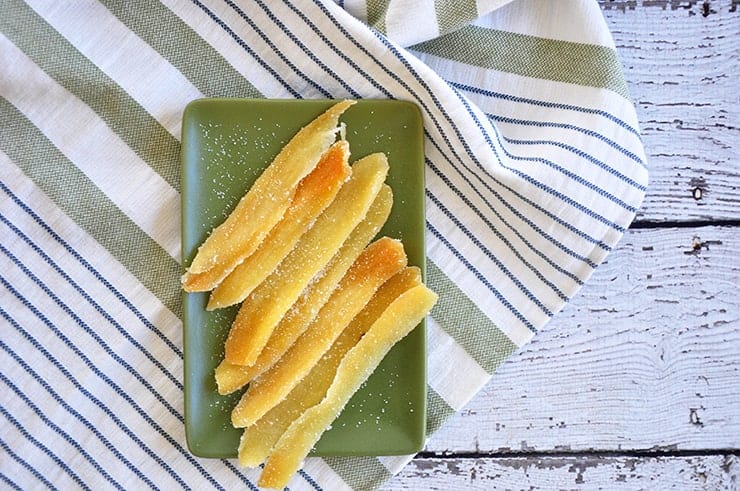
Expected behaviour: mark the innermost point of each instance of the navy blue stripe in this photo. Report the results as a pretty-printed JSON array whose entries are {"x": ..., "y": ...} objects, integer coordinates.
[
  {"x": 108, "y": 350},
  {"x": 570, "y": 174},
  {"x": 56, "y": 428},
  {"x": 480, "y": 277},
  {"x": 246, "y": 47},
  {"x": 298, "y": 43},
  {"x": 123, "y": 363},
  {"x": 583, "y": 209},
  {"x": 278, "y": 52},
  {"x": 92, "y": 302},
  {"x": 583, "y": 155},
  {"x": 239, "y": 474},
  {"x": 536, "y": 102},
  {"x": 122, "y": 426},
  {"x": 522, "y": 217},
  {"x": 462, "y": 141},
  {"x": 427, "y": 109},
  {"x": 338, "y": 51},
  {"x": 568, "y": 126},
  {"x": 431, "y": 116},
  {"x": 96, "y": 370},
  {"x": 310, "y": 480},
  {"x": 450, "y": 216},
  {"x": 482, "y": 181},
  {"x": 442, "y": 153},
  {"x": 122, "y": 298},
  {"x": 42, "y": 447},
  {"x": 8, "y": 481},
  {"x": 25, "y": 464},
  {"x": 388, "y": 94},
  {"x": 69, "y": 409}
]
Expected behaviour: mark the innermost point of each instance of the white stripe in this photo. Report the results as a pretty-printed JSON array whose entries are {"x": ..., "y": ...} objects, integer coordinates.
[
  {"x": 505, "y": 256},
  {"x": 66, "y": 422},
  {"x": 226, "y": 46},
  {"x": 85, "y": 139},
  {"x": 124, "y": 282},
  {"x": 34, "y": 456},
  {"x": 263, "y": 34},
  {"x": 96, "y": 321},
  {"x": 107, "y": 393},
  {"x": 140, "y": 70},
  {"x": 549, "y": 177},
  {"x": 562, "y": 20},
  {"x": 95, "y": 254},
  {"x": 394, "y": 463},
  {"x": 311, "y": 38},
  {"x": 542, "y": 90},
  {"x": 411, "y": 21},
  {"x": 470, "y": 218},
  {"x": 357, "y": 8},
  {"x": 512, "y": 327},
  {"x": 504, "y": 220},
  {"x": 484, "y": 7},
  {"x": 322, "y": 473},
  {"x": 452, "y": 372},
  {"x": 13, "y": 470}
]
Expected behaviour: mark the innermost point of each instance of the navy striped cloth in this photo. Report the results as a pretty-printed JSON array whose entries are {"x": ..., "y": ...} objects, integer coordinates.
[{"x": 534, "y": 170}]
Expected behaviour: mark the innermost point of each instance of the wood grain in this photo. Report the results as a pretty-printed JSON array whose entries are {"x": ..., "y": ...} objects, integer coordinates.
[
  {"x": 682, "y": 65},
  {"x": 716, "y": 472},
  {"x": 647, "y": 356}
]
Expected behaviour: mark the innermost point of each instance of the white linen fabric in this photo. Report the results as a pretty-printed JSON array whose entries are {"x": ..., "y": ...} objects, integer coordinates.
[{"x": 534, "y": 170}]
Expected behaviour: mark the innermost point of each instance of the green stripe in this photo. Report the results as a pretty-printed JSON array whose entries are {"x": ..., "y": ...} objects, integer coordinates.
[
  {"x": 466, "y": 323},
  {"x": 359, "y": 472},
  {"x": 82, "y": 201},
  {"x": 159, "y": 27},
  {"x": 376, "y": 12},
  {"x": 531, "y": 56},
  {"x": 438, "y": 411},
  {"x": 454, "y": 14},
  {"x": 55, "y": 55}
]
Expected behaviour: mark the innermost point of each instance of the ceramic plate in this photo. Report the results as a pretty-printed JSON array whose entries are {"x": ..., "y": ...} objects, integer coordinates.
[{"x": 226, "y": 143}]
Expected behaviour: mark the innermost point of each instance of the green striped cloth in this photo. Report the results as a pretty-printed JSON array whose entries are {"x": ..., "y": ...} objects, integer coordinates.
[{"x": 534, "y": 170}]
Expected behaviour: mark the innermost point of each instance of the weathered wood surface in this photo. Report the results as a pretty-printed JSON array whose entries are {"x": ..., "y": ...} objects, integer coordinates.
[
  {"x": 716, "y": 472},
  {"x": 646, "y": 357},
  {"x": 682, "y": 64},
  {"x": 636, "y": 384}
]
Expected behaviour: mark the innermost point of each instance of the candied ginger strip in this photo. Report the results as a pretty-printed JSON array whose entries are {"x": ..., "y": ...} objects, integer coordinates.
[
  {"x": 356, "y": 366},
  {"x": 230, "y": 377},
  {"x": 266, "y": 305},
  {"x": 377, "y": 263},
  {"x": 258, "y": 439},
  {"x": 263, "y": 205},
  {"x": 313, "y": 195}
]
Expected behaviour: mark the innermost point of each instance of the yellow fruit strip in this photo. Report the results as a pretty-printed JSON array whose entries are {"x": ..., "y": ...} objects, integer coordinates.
[
  {"x": 266, "y": 305},
  {"x": 230, "y": 377},
  {"x": 357, "y": 365},
  {"x": 313, "y": 195},
  {"x": 258, "y": 439},
  {"x": 263, "y": 205},
  {"x": 377, "y": 263}
]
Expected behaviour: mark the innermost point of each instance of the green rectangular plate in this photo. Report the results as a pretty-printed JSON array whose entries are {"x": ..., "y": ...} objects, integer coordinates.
[{"x": 226, "y": 143}]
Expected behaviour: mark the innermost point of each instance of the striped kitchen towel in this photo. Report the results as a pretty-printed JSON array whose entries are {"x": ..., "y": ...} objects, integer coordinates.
[{"x": 534, "y": 169}]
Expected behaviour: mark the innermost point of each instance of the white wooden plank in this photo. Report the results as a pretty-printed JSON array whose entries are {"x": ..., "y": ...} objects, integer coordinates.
[
  {"x": 681, "y": 62},
  {"x": 646, "y": 356},
  {"x": 716, "y": 472}
]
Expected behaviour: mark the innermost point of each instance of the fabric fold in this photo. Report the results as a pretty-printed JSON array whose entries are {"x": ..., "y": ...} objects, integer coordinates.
[{"x": 534, "y": 170}]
